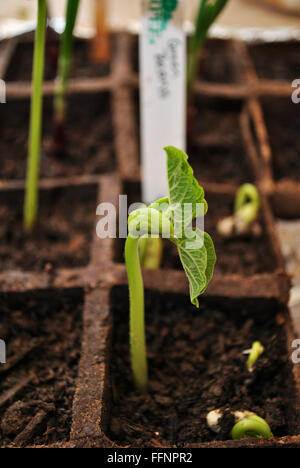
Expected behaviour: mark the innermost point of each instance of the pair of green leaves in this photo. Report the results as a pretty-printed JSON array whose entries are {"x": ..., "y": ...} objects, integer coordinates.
[{"x": 195, "y": 248}]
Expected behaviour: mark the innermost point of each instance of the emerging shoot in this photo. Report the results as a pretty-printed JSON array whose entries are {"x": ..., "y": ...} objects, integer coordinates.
[
  {"x": 167, "y": 218},
  {"x": 208, "y": 12},
  {"x": 254, "y": 353},
  {"x": 33, "y": 164},
  {"x": 244, "y": 220},
  {"x": 247, "y": 424},
  {"x": 64, "y": 65},
  {"x": 251, "y": 426}
]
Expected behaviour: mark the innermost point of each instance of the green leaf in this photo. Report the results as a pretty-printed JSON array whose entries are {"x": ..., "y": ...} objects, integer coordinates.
[
  {"x": 196, "y": 253},
  {"x": 211, "y": 257},
  {"x": 183, "y": 189}
]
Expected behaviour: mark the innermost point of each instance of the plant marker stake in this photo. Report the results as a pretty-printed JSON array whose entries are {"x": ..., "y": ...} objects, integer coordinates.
[
  {"x": 163, "y": 90},
  {"x": 101, "y": 50}
]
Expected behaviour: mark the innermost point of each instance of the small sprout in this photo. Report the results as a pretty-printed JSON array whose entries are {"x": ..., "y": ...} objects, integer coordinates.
[
  {"x": 244, "y": 220},
  {"x": 254, "y": 353},
  {"x": 166, "y": 219},
  {"x": 250, "y": 426},
  {"x": 213, "y": 419},
  {"x": 247, "y": 424}
]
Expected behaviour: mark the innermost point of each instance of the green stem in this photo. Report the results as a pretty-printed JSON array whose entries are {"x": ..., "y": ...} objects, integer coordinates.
[
  {"x": 137, "y": 314},
  {"x": 31, "y": 195},
  {"x": 247, "y": 203},
  {"x": 64, "y": 61},
  {"x": 151, "y": 252},
  {"x": 251, "y": 427},
  {"x": 256, "y": 351}
]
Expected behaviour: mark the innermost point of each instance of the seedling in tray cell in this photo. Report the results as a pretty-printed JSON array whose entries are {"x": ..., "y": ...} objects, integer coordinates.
[
  {"x": 246, "y": 211},
  {"x": 247, "y": 425},
  {"x": 167, "y": 218}
]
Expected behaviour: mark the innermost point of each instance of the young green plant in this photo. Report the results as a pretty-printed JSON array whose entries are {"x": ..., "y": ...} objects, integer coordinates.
[
  {"x": 251, "y": 426},
  {"x": 255, "y": 352},
  {"x": 64, "y": 65},
  {"x": 167, "y": 218},
  {"x": 33, "y": 165},
  {"x": 246, "y": 211},
  {"x": 208, "y": 12},
  {"x": 247, "y": 424}
]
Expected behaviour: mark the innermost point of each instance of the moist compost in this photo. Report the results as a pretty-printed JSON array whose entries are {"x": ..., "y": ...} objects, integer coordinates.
[
  {"x": 282, "y": 120},
  {"x": 63, "y": 234},
  {"x": 246, "y": 255},
  {"x": 217, "y": 64},
  {"x": 280, "y": 61},
  {"x": 89, "y": 138},
  {"x": 215, "y": 142},
  {"x": 42, "y": 331},
  {"x": 20, "y": 68},
  {"x": 196, "y": 364}
]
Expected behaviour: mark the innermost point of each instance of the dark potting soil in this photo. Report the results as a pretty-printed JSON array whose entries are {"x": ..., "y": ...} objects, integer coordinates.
[
  {"x": 62, "y": 237},
  {"x": 217, "y": 64},
  {"x": 20, "y": 68},
  {"x": 89, "y": 139},
  {"x": 243, "y": 255},
  {"x": 277, "y": 61},
  {"x": 283, "y": 124},
  {"x": 196, "y": 364},
  {"x": 216, "y": 148},
  {"x": 215, "y": 142},
  {"x": 42, "y": 331}
]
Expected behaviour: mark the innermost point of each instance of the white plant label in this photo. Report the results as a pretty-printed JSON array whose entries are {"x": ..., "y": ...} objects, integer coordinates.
[{"x": 163, "y": 90}]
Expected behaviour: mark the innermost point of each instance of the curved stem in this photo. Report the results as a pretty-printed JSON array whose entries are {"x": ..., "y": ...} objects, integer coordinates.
[
  {"x": 251, "y": 427},
  {"x": 247, "y": 203},
  {"x": 31, "y": 195},
  {"x": 137, "y": 314},
  {"x": 256, "y": 350}
]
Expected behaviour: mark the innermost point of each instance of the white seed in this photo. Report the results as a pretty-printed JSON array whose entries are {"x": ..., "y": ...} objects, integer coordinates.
[{"x": 212, "y": 420}]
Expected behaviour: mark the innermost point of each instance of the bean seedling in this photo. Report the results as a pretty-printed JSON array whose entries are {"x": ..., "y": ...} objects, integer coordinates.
[
  {"x": 247, "y": 425},
  {"x": 256, "y": 350},
  {"x": 246, "y": 211},
  {"x": 167, "y": 218},
  {"x": 251, "y": 426}
]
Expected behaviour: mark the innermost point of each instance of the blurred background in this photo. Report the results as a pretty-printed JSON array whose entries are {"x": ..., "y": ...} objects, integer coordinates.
[
  {"x": 238, "y": 17},
  {"x": 268, "y": 20}
]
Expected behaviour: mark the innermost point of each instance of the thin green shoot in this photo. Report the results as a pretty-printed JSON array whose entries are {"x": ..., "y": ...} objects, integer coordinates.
[
  {"x": 255, "y": 352},
  {"x": 244, "y": 221},
  {"x": 33, "y": 165},
  {"x": 64, "y": 62},
  {"x": 208, "y": 12}
]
